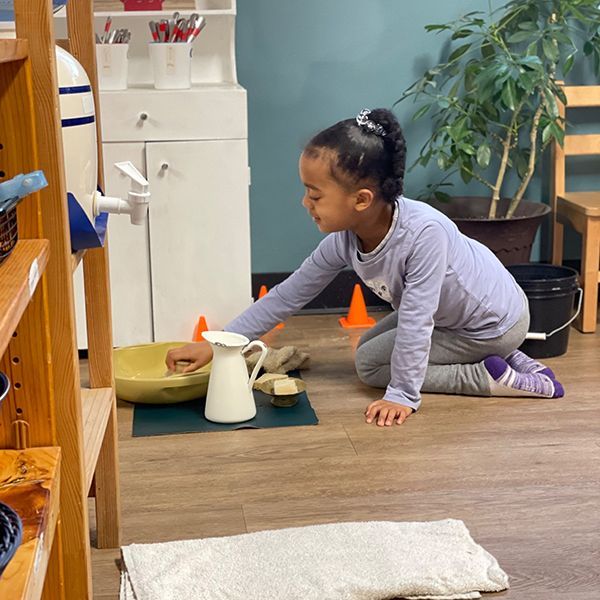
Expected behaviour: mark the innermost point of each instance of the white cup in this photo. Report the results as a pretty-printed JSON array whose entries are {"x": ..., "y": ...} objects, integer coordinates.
[
  {"x": 172, "y": 65},
  {"x": 112, "y": 66}
]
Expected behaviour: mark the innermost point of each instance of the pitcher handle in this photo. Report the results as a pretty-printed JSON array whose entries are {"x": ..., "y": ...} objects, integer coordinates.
[{"x": 261, "y": 360}]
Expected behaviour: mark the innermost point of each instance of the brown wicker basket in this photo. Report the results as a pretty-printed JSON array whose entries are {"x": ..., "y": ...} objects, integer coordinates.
[{"x": 8, "y": 227}]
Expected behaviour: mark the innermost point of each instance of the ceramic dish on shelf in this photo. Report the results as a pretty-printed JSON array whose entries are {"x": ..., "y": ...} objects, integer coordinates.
[
  {"x": 4, "y": 386},
  {"x": 11, "y": 534},
  {"x": 141, "y": 376}
]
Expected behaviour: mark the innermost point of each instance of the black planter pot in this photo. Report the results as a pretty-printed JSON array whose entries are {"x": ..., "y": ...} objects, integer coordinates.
[{"x": 509, "y": 239}]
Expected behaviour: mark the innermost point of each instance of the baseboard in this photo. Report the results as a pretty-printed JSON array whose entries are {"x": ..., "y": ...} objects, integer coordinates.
[{"x": 334, "y": 298}]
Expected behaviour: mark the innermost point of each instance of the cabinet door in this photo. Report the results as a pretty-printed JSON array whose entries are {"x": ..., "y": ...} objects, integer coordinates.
[
  {"x": 129, "y": 253},
  {"x": 199, "y": 234},
  {"x": 129, "y": 258}
]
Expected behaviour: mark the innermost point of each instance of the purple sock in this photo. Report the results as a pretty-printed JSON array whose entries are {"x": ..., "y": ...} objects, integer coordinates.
[
  {"x": 522, "y": 363},
  {"x": 508, "y": 382}
]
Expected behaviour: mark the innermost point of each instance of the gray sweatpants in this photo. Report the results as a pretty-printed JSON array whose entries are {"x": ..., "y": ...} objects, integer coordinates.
[{"x": 455, "y": 362}]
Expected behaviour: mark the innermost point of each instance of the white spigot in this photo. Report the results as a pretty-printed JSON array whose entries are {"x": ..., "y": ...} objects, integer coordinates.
[{"x": 136, "y": 204}]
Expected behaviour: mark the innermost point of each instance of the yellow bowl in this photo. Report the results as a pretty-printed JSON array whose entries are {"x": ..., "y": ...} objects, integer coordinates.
[{"x": 141, "y": 376}]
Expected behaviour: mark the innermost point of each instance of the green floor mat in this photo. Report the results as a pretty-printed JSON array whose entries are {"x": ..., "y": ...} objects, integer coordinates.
[{"x": 188, "y": 417}]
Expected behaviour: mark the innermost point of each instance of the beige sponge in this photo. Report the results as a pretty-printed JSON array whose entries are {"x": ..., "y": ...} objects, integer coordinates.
[{"x": 282, "y": 387}]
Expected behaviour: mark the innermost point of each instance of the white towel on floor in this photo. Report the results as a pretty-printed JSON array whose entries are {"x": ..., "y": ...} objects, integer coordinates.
[{"x": 341, "y": 561}]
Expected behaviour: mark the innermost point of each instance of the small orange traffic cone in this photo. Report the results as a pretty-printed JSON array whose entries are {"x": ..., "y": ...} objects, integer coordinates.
[
  {"x": 263, "y": 292},
  {"x": 357, "y": 315},
  {"x": 201, "y": 327}
]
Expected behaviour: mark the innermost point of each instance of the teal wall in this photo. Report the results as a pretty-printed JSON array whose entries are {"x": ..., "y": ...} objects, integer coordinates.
[{"x": 307, "y": 64}]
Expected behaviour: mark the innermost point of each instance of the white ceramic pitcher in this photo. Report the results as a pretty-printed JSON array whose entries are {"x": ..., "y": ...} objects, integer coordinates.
[{"x": 230, "y": 398}]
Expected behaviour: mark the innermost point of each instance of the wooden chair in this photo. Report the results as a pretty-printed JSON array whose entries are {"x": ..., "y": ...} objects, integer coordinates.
[{"x": 580, "y": 210}]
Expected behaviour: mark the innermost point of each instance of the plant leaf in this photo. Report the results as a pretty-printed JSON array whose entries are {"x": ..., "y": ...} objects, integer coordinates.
[
  {"x": 532, "y": 49},
  {"x": 461, "y": 33},
  {"x": 466, "y": 148},
  {"x": 550, "y": 49},
  {"x": 551, "y": 104},
  {"x": 435, "y": 27},
  {"x": 562, "y": 37},
  {"x": 569, "y": 61},
  {"x": 528, "y": 81},
  {"x": 456, "y": 54},
  {"x": 483, "y": 156},
  {"x": 521, "y": 164},
  {"x": 454, "y": 90},
  {"x": 508, "y": 94},
  {"x": 519, "y": 36},
  {"x": 532, "y": 62},
  {"x": 441, "y": 196},
  {"x": 421, "y": 112},
  {"x": 557, "y": 132},
  {"x": 425, "y": 158},
  {"x": 487, "y": 50},
  {"x": 458, "y": 129},
  {"x": 528, "y": 26},
  {"x": 546, "y": 133},
  {"x": 561, "y": 94}
]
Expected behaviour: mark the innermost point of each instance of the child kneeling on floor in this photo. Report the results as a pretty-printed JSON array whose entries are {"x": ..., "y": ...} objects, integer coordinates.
[{"x": 459, "y": 315}]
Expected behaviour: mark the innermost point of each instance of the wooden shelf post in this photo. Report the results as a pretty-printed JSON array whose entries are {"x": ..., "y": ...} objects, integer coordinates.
[
  {"x": 47, "y": 406},
  {"x": 80, "y": 23}
]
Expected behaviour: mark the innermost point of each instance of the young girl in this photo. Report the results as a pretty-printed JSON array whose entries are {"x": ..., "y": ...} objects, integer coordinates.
[{"x": 459, "y": 316}]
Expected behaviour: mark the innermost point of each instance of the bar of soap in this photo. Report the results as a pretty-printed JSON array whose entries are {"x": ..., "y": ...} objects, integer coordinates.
[
  {"x": 283, "y": 387},
  {"x": 269, "y": 377}
]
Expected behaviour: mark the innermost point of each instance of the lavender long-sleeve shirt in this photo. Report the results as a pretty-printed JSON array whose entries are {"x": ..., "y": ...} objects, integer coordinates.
[{"x": 433, "y": 275}]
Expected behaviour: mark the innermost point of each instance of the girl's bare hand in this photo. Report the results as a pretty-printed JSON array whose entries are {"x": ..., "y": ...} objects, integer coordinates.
[
  {"x": 387, "y": 413},
  {"x": 198, "y": 355}
]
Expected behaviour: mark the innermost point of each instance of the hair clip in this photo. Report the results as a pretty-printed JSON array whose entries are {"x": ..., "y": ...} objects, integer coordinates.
[{"x": 362, "y": 120}]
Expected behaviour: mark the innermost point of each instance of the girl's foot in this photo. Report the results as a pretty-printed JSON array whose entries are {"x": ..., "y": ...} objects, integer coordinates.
[
  {"x": 522, "y": 363},
  {"x": 505, "y": 381}
]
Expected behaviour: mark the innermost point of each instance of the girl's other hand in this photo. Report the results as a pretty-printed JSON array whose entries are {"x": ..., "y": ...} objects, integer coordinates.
[
  {"x": 387, "y": 413},
  {"x": 198, "y": 355}
]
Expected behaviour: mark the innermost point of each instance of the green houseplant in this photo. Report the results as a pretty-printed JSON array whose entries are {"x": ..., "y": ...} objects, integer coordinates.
[{"x": 493, "y": 100}]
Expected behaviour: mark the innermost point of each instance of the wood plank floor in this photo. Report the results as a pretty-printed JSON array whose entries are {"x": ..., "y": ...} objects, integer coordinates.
[{"x": 523, "y": 474}]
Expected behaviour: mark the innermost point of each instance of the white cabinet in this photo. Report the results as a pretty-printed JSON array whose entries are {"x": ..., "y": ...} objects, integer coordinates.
[
  {"x": 193, "y": 257},
  {"x": 199, "y": 232},
  {"x": 206, "y": 112},
  {"x": 129, "y": 254},
  {"x": 129, "y": 257}
]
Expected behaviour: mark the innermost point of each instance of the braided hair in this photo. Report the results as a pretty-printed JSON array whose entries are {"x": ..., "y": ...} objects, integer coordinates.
[{"x": 368, "y": 149}]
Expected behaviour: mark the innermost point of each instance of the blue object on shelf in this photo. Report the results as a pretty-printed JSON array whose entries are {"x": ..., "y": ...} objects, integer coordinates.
[
  {"x": 20, "y": 186},
  {"x": 11, "y": 193},
  {"x": 11, "y": 534},
  {"x": 7, "y": 8}
]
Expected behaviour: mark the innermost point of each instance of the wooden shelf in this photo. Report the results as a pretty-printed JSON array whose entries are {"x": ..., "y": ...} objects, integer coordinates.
[
  {"x": 11, "y": 50},
  {"x": 19, "y": 275},
  {"x": 76, "y": 259},
  {"x": 44, "y": 354},
  {"x": 29, "y": 483},
  {"x": 96, "y": 405}
]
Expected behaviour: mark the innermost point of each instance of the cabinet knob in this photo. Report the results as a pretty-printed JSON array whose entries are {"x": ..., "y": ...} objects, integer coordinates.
[
  {"x": 164, "y": 166},
  {"x": 143, "y": 116}
]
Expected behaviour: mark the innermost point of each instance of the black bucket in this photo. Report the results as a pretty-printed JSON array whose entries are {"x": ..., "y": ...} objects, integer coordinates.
[{"x": 551, "y": 292}]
